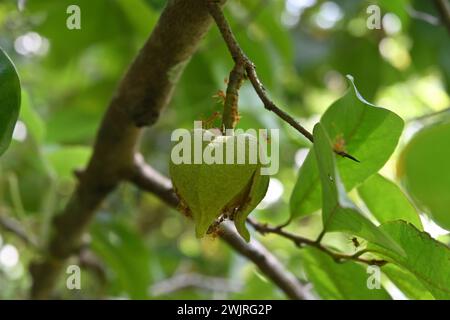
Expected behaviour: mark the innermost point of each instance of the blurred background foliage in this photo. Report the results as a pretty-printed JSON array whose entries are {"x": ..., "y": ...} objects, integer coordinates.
[{"x": 302, "y": 49}]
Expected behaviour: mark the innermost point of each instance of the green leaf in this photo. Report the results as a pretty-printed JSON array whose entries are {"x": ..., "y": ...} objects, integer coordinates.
[
  {"x": 340, "y": 281},
  {"x": 406, "y": 282},
  {"x": 387, "y": 202},
  {"x": 366, "y": 132},
  {"x": 306, "y": 196},
  {"x": 65, "y": 160},
  {"x": 426, "y": 258},
  {"x": 423, "y": 169},
  {"x": 338, "y": 212},
  {"x": 9, "y": 100}
]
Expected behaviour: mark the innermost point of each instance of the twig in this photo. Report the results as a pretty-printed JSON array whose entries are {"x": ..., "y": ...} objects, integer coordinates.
[
  {"x": 240, "y": 58},
  {"x": 267, "y": 263},
  {"x": 433, "y": 114},
  {"x": 148, "y": 179},
  {"x": 243, "y": 23},
  {"x": 424, "y": 16},
  {"x": 90, "y": 261},
  {"x": 144, "y": 91},
  {"x": 302, "y": 242},
  {"x": 443, "y": 8},
  {"x": 230, "y": 108},
  {"x": 13, "y": 226}
]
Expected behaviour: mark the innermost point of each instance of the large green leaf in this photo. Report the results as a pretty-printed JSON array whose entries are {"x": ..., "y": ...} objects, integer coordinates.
[
  {"x": 426, "y": 258},
  {"x": 409, "y": 285},
  {"x": 341, "y": 281},
  {"x": 9, "y": 100},
  {"x": 387, "y": 202},
  {"x": 338, "y": 212},
  {"x": 423, "y": 168},
  {"x": 367, "y": 132}
]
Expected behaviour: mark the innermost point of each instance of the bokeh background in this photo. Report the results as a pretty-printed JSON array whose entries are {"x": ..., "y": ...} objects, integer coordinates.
[{"x": 140, "y": 248}]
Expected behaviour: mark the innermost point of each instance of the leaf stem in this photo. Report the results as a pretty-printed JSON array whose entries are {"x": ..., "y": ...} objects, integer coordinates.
[
  {"x": 241, "y": 59},
  {"x": 230, "y": 115},
  {"x": 302, "y": 242}
]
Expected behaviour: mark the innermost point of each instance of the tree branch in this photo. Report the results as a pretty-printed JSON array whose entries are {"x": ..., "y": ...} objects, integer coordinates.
[
  {"x": 240, "y": 58},
  {"x": 267, "y": 263},
  {"x": 431, "y": 115},
  {"x": 148, "y": 179},
  {"x": 423, "y": 16},
  {"x": 443, "y": 8},
  {"x": 145, "y": 89},
  {"x": 230, "y": 107},
  {"x": 13, "y": 226},
  {"x": 301, "y": 242}
]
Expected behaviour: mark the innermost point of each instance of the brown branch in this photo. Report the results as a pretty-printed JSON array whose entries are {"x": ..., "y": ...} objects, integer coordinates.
[
  {"x": 90, "y": 261},
  {"x": 423, "y": 16},
  {"x": 431, "y": 115},
  {"x": 148, "y": 179},
  {"x": 146, "y": 88},
  {"x": 302, "y": 242},
  {"x": 267, "y": 263},
  {"x": 11, "y": 225},
  {"x": 443, "y": 8},
  {"x": 240, "y": 58},
  {"x": 144, "y": 91},
  {"x": 230, "y": 108}
]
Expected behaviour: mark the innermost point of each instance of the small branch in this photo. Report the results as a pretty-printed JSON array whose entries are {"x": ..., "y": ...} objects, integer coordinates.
[
  {"x": 431, "y": 115},
  {"x": 267, "y": 263},
  {"x": 423, "y": 16},
  {"x": 13, "y": 226},
  {"x": 144, "y": 91},
  {"x": 321, "y": 235},
  {"x": 240, "y": 58},
  {"x": 150, "y": 180},
  {"x": 443, "y": 8},
  {"x": 302, "y": 242},
  {"x": 90, "y": 261},
  {"x": 147, "y": 179},
  {"x": 230, "y": 108}
]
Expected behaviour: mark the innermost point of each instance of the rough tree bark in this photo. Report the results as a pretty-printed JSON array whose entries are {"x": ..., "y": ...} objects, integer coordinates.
[{"x": 144, "y": 91}]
